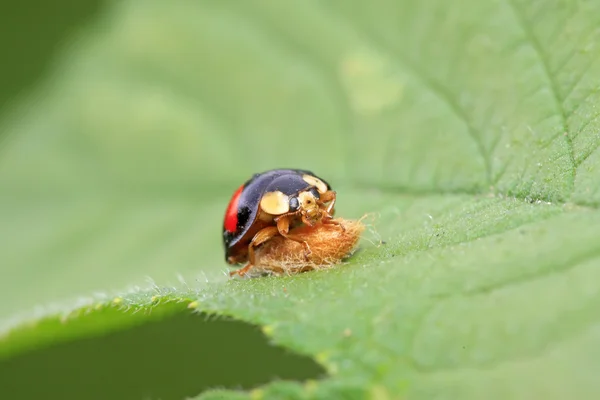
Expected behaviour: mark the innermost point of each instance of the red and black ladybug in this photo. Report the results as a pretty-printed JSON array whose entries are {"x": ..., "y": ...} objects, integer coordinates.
[{"x": 269, "y": 204}]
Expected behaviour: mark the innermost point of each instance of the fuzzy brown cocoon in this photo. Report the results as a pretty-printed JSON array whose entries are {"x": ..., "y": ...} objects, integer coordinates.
[{"x": 329, "y": 245}]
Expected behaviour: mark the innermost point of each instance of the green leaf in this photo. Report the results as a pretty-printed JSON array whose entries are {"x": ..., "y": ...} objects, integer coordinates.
[{"x": 469, "y": 134}]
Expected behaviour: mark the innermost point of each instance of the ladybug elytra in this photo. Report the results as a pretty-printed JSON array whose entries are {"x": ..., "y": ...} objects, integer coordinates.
[{"x": 270, "y": 204}]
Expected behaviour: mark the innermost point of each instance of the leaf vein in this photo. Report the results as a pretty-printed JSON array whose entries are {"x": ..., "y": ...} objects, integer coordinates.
[
  {"x": 435, "y": 88},
  {"x": 545, "y": 65}
]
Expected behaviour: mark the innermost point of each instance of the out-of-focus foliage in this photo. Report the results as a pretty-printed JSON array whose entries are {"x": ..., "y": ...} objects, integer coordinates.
[{"x": 469, "y": 133}]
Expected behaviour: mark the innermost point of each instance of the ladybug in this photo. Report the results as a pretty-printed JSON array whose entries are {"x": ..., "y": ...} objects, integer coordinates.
[{"x": 270, "y": 204}]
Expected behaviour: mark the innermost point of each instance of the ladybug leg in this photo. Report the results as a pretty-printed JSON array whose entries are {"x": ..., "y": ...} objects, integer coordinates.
[
  {"x": 283, "y": 225},
  {"x": 330, "y": 195},
  {"x": 261, "y": 237},
  {"x": 241, "y": 271},
  {"x": 331, "y": 221},
  {"x": 328, "y": 217},
  {"x": 306, "y": 221}
]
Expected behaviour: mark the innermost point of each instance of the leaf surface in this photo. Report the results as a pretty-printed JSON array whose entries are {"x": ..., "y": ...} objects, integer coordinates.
[{"x": 468, "y": 134}]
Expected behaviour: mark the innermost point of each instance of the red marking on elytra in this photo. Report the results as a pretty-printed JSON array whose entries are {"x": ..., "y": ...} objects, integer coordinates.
[{"x": 232, "y": 211}]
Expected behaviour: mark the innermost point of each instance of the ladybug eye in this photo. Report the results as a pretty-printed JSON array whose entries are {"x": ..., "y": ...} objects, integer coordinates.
[
  {"x": 315, "y": 193},
  {"x": 294, "y": 204}
]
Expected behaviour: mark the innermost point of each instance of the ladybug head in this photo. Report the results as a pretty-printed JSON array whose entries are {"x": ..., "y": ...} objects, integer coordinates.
[
  {"x": 307, "y": 203},
  {"x": 303, "y": 195}
]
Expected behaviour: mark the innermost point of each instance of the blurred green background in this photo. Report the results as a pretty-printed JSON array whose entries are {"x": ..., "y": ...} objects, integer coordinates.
[
  {"x": 121, "y": 365},
  {"x": 470, "y": 133},
  {"x": 175, "y": 358},
  {"x": 30, "y": 34}
]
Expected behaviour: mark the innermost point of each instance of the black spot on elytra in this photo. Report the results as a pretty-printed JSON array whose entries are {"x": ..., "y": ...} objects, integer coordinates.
[{"x": 242, "y": 217}]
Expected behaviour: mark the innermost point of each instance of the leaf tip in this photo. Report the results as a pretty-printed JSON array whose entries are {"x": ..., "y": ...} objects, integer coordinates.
[
  {"x": 322, "y": 357},
  {"x": 268, "y": 330},
  {"x": 378, "y": 392},
  {"x": 310, "y": 386},
  {"x": 256, "y": 394}
]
